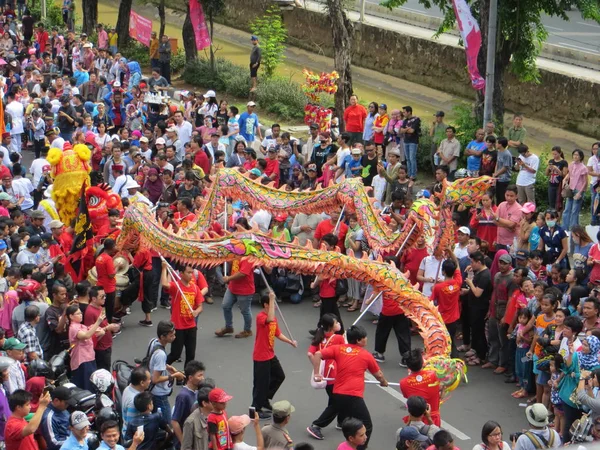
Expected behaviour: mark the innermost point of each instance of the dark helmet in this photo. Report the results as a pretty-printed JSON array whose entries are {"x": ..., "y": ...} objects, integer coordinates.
[
  {"x": 103, "y": 415},
  {"x": 93, "y": 441},
  {"x": 39, "y": 368}
]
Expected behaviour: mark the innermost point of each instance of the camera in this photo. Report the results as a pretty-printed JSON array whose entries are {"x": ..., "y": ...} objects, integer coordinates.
[
  {"x": 170, "y": 214},
  {"x": 515, "y": 436}
]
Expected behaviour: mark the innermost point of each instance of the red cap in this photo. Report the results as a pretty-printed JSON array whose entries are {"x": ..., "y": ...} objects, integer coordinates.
[
  {"x": 67, "y": 146},
  {"x": 281, "y": 217},
  {"x": 387, "y": 219},
  {"x": 218, "y": 395},
  {"x": 5, "y": 135}
]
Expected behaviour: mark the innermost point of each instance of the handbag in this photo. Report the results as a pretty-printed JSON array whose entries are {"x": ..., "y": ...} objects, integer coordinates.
[
  {"x": 566, "y": 192},
  {"x": 323, "y": 383},
  {"x": 341, "y": 287}
]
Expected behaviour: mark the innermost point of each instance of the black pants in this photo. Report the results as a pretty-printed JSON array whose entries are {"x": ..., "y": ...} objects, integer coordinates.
[
  {"x": 38, "y": 145},
  {"x": 330, "y": 411},
  {"x": 511, "y": 351},
  {"x": 355, "y": 138},
  {"x": 330, "y": 306},
  {"x": 268, "y": 377},
  {"x": 465, "y": 321},
  {"x": 571, "y": 415},
  {"x": 165, "y": 70},
  {"x": 103, "y": 359},
  {"x": 477, "y": 321},
  {"x": 552, "y": 195},
  {"x": 351, "y": 406},
  {"x": 452, "y": 329},
  {"x": 501, "y": 190},
  {"x": 37, "y": 197},
  {"x": 183, "y": 338},
  {"x": 109, "y": 305},
  {"x": 401, "y": 326},
  {"x": 150, "y": 292}
]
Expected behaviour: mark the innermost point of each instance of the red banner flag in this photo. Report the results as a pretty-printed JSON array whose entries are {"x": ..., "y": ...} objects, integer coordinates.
[
  {"x": 199, "y": 24},
  {"x": 471, "y": 36},
  {"x": 140, "y": 28}
]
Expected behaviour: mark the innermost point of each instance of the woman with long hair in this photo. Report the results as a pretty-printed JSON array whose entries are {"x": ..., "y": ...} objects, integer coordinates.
[
  {"x": 582, "y": 243},
  {"x": 577, "y": 180},
  {"x": 83, "y": 357},
  {"x": 557, "y": 169},
  {"x": 491, "y": 437},
  {"x": 528, "y": 223},
  {"x": 370, "y": 121},
  {"x": 325, "y": 336}
]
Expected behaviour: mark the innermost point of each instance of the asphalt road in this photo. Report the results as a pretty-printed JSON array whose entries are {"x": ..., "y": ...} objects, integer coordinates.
[
  {"x": 229, "y": 362},
  {"x": 575, "y": 34}
]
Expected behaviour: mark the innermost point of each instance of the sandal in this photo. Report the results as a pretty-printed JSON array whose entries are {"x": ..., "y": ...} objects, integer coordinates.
[
  {"x": 531, "y": 401},
  {"x": 521, "y": 394},
  {"x": 474, "y": 362},
  {"x": 464, "y": 348},
  {"x": 317, "y": 304},
  {"x": 352, "y": 308}
]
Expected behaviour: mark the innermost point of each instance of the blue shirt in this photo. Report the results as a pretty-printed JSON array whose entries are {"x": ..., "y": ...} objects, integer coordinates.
[
  {"x": 103, "y": 446},
  {"x": 81, "y": 77},
  {"x": 248, "y": 125},
  {"x": 73, "y": 444},
  {"x": 352, "y": 166},
  {"x": 55, "y": 427},
  {"x": 152, "y": 423},
  {"x": 183, "y": 405},
  {"x": 474, "y": 162}
]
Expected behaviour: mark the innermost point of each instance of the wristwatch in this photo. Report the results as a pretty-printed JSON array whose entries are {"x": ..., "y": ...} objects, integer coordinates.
[{"x": 497, "y": 219}]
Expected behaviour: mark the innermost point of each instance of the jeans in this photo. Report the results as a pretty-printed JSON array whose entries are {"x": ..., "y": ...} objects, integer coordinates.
[
  {"x": 570, "y": 215},
  {"x": 162, "y": 402},
  {"x": 268, "y": 377},
  {"x": 595, "y": 218},
  {"x": 183, "y": 338},
  {"x": 410, "y": 150},
  {"x": 401, "y": 325},
  {"x": 244, "y": 303}
]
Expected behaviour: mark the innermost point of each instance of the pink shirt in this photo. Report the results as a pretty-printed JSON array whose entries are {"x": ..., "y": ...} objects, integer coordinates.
[
  {"x": 577, "y": 176},
  {"x": 512, "y": 213},
  {"x": 4, "y": 212},
  {"x": 83, "y": 351},
  {"x": 103, "y": 40},
  {"x": 344, "y": 446}
]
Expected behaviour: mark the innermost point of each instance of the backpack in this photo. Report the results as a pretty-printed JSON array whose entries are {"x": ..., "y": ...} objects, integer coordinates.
[
  {"x": 150, "y": 351},
  {"x": 540, "y": 442},
  {"x": 424, "y": 430}
]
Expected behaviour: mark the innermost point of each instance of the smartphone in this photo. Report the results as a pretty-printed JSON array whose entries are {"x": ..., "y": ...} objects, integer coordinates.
[
  {"x": 252, "y": 412},
  {"x": 140, "y": 429},
  {"x": 47, "y": 389}
]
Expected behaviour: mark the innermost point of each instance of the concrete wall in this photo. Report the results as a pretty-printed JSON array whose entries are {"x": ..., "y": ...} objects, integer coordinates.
[{"x": 568, "y": 102}]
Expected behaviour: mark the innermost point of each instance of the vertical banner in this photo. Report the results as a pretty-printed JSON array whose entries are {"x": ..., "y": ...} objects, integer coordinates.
[
  {"x": 471, "y": 36},
  {"x": 199, "y": 24},
  {"x": 140, "y": 28}
]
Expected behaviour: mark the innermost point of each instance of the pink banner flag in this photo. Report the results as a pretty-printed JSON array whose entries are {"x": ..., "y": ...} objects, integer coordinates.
[
  {"x": 140, "y": 28},
  {"x": 471, "y": 36},
  {"x": 199, "y": 24}
]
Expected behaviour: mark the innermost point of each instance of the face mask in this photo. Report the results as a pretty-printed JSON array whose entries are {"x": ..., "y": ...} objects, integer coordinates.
[{"x": 551, "y": 223}]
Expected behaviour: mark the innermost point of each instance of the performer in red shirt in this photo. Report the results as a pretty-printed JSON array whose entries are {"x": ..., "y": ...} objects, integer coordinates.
[
  {"x": 326, "y": 336},
  {"x": 107, "y": 273},
  {"x": 184, "y": 311},
  {"x": 423, "y": 383},
  {"x": 268, "y": 373},
  {"x": 327, "y": 226},
  {"x": 411, "y": 260},
  {"x": 352, "y": 360},
  {"x": 391, "y": 317},
  {"x": 447, "y": 297}
]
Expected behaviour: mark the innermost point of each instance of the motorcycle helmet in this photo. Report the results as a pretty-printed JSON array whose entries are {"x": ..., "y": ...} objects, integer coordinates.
[
  {"x": 40, "y": 368},
  {"x": 5, "y": 361},
  {"x": 93, "y": 441},
  {"x": 423, "y": 193},
  {"x": 103, "y": 380},
  {"x": 28, "y": 289},
  {"x": 104, "y": 415}
]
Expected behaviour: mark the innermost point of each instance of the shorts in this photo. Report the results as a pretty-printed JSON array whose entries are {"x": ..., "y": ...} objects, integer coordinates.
[
  {"x": 254, "y": 71},
  {"x": 558, "y": 409}
]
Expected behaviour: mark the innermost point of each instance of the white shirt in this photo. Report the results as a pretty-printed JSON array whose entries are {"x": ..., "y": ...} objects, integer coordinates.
[
  {"x": 36, "y": 169},
  {"x": 525, "y": 177},
  {"x": 6, "y": 158},
  {"x": 594, "y": 164},
  {"x": 22, "y": 187},
  {"x": 26, "y": 257},
  {"x": 262, "y": 219},
  {"x": 119, "y": 185},
  {"x": 243, "y": 446},
  {"x": 268, "y": 141},
  {"x": 460, "y": 252},
  {"x": 16, "y": 377},
  {"x": 16, "y": 111},
  {"x": 341, "y": 155},
  {"x": 431, "y": 268},
  {"x": 184, "y": 131},
  {"x": 379, "y": 185}
]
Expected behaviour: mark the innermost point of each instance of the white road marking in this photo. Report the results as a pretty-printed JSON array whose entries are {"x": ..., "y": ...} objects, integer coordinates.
[
  {"x": 564, "y": 44},
  {"x": 553, "y": 28},
  {"x": 398, "y": 396},
  {"x": 589, "y": 24}
]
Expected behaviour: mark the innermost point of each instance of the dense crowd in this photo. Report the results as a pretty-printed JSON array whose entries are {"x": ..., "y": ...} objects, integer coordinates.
[{"x": 518, "y": 291}]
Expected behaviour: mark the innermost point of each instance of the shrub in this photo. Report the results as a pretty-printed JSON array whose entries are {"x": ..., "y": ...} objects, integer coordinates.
[
  {"x": 281, "y": 96},
  {"x": 53, "y": 15},
  {"x": 135, "y": 51},
  {"x": 177, "y": 61},
  {"x": 273, "y": 34},
  {"x": 200, "y": 73}
]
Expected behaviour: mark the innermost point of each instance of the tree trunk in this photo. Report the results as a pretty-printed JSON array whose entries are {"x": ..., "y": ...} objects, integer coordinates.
[
  {"x": 342, "y": 31},
  {"x": 211, "y": 23},
  {"x": 123, "y": 23},
  {"x": 189, "y": 39},
  {"x": 161, "y": 15},
  {"x": 90, "y": 16}
]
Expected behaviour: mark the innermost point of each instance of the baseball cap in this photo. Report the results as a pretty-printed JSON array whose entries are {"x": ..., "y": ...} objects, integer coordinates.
[
  {"x": 3, "y": 245},
  {"x": 528, "y": 208},
  {"x": 505, "y": 259},
  {"x": 383, "y": 106},
  {"x": 144, "y": 139},
  {"x": 283, "y": 408},
  {"x": 171, "y": 130},
  {"x": 79, "y": 420},
  {"x": 465, "y": 230},
  {"x": 312, "y": 167},
  {"x": 55, "y": 224},
  {"x": 210, "y": 94},
  {"x": 440, "y": 114},
  {"x": 250, "y": 103},
  {"x": 325, "y": 134},
  {"x": 281, "y": 217},
  {"x": 238, "y": 423},
  {"x": 256, "y": 172},
  {"x": 4, "y": 196},
  {"x": 161, "y": 141},
  {"x": 34, "y": 241},
  {"x": 272, "y": 149},
  {"x": 37, "y": 214},
  {"x": 411, "y": 433},
  {"x": 13, "y": 344},
  {"x": 522, "y": 255},
  {"x": 537, "y": 415},
  {"x": 314, "y": 126},
  {"x": 254, "y": 38},
  {"x": 356, "y": 151},
  {"x": 61, "y": 393},
  {"x": 218, "y": 395},
  {"x": 46, "y": 236},
  {"x": 394, "y": 152}
]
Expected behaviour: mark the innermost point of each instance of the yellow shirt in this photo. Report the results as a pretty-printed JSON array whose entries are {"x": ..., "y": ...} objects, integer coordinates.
[
  {"x": 112, "y": 39},
  {"x": 154, "y": 48}
]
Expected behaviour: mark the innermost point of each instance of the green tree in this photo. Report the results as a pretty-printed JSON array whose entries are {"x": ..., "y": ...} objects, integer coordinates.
[
  {"x": 273, "y": 34},
  {"x": 212, "y": 9},
  {"x": 521, "y": 34}
]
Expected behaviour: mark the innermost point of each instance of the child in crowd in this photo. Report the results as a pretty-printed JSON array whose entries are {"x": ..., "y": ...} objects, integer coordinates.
[
  {"x": 535, "y": 265},
  {"x": 151, "y": 422},
  {"x": 522, "y": 361},
  {"x": 218, "y": 427},
  {"x": 555, "y": 377},
  {"x": 354, "y": 432}
]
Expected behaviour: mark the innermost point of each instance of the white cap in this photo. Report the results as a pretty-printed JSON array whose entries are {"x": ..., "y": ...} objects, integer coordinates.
[
  {"x": 464, "y": 230},
  {"x": 116, "y": 84},
  {"x": 161, "y": 141},
  {"x": 131, "y": 184},
  {"x": 250, "y": 103},
  {"x": 210, "y": 94}
]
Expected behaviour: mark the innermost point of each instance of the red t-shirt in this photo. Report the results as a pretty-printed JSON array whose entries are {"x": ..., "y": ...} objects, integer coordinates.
[
  {"x": 447, "y": 295},
  {"x": 181, "y": 314},
  {"x": 355, "y": 117},
  {"x": 412, "y": 260},
  {"x": 13, "y": 438},
  {"x": 202, "y": 161},
  {"x": 329, "y": 340},
  {"x": 516, "y": 302},
  {"x": 351, "y": 361},
  {"x": 326, "y": 227},
  {"x": 217, "y": 425},
  {"x": 327, "y": 288},
  {"x": 91, "y": 315},
  {"x": 105, "y": 267},
  {"x": 185, "y": 221},
  {"x": 244, "y": 285},
  {"x": 425, "y": 384},
  {"x": 273, "y": 169},
  {"x": 390, "y": 307},
  {"x": 266, "y": 332}
]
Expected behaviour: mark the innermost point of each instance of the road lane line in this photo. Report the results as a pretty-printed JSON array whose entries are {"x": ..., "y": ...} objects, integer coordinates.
[
  {"x": 589, "y": 24},
  {"x": 564, "y": 44},
  {"x": 398, "y": 396},
  {"x": 553, "y": 28}
]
